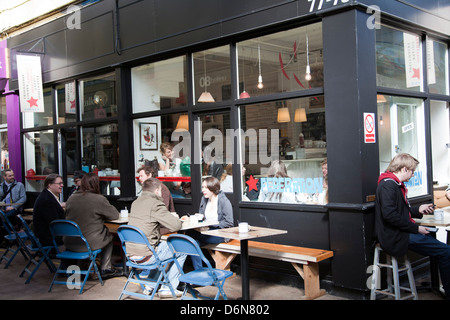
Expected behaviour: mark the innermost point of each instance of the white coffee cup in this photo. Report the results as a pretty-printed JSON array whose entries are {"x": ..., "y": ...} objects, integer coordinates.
[
  {"x": 438, "y": 214},
  {"x": 193, "y": 219},
  {"x": 243, "y": 227},
  {"x": 124, "y": 213}
]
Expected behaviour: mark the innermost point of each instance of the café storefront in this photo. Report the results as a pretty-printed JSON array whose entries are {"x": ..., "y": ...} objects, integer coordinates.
[{"x": 239, "y": 90}]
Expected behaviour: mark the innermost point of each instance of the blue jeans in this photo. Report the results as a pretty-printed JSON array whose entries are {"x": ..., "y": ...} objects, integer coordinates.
[
  {"x": 426, "y": 245},
  {"x": 202, "y": 239},
  {"x": 173, "y": 274}
]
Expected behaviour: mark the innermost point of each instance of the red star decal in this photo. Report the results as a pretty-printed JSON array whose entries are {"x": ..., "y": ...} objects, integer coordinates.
[
  {"x": 416, "y": 73},
  {"x": 72, "y": 104},
  {"x": 252, "y": 183},
  {"x": 32, "y": 102}
]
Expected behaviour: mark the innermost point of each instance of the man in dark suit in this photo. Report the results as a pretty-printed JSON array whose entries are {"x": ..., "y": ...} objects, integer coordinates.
[
  {"x": 395, "y": 229},
  {"x": 47, "y": 208}
]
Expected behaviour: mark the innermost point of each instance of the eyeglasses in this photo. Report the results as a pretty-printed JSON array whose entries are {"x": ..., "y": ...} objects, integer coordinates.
[{"x": 59, "y": 183}]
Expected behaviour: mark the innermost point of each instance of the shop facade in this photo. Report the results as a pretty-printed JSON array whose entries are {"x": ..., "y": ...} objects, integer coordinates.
[{"x": 239, "y": 90}]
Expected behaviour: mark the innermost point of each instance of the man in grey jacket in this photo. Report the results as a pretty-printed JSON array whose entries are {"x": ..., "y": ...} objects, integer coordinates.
[
  {"x": 12, "y": 192},
  {"x": 148, "y": 213}
]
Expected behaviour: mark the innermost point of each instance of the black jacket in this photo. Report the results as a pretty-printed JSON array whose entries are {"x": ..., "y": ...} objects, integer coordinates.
[
  {"x": 392, "y": 220},
  {"x": 46, "y": 209}
]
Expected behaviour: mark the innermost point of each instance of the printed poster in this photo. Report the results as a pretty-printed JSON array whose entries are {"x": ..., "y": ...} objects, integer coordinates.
[{"x": 30, "y": 83}]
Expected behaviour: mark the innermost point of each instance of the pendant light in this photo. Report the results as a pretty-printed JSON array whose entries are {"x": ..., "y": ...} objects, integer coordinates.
[
  {"x": 183, "y": 123},
  {"x": 205, "y": 96},
  {"x": 244, "y": 94},
  {"x": 300, "y": 115},
  {"x": 308, "y": 69},
  {"x": 283, "y": 115},
  {"x": 260, "y": 82}
]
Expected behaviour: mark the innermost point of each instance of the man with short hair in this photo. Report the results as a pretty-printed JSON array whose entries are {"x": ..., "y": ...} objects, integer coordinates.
[
  {"x": 12, "y": 192},
  {"x": 395, "y": 229},
  {"x": 147, "y": 172},
  {"x": 149, "y": 213}
]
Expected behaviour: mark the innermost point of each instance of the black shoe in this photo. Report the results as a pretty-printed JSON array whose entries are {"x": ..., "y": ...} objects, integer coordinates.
[{"x": 110, "y": 273}]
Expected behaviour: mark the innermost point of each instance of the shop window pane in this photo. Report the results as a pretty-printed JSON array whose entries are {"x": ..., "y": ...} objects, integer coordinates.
[
  {"x": 39, "y": 158},
  {"x": 152, "y": 136},
  {"x": 2, "y": 111},
  {"x": 38, "y": 119},
  {"x": 401, "y": 129},
  {"x": 159, "y": 85},
  {"x": 212, "y": 78},
  {"x": 98, "y": 97},
  {"x": 437, "y": 66},
  {"x": 284, "y": 147},
  {"x": 5, "y": 150},
  {"x": 101, "y": 154},
  {"x": 216, "y": 157},
  {"x": 281, "y": 60},
  {"x": 66, "y": 102},
  {"x": 440, "y": 143},
  {"x": 399, "y": 59}
]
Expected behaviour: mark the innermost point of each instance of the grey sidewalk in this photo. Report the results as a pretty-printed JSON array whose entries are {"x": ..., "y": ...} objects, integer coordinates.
[{"x": 12, "y": 287}]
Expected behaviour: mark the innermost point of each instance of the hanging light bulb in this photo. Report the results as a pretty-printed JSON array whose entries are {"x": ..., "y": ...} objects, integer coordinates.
[
  {"x": 260, "y": 82},
  {"x": 308, "y": 69},
  {"x": 308, "y": 73}
]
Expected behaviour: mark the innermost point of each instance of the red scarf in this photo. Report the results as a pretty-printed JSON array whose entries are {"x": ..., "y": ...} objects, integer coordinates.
[{"x": 390, "y": 175}]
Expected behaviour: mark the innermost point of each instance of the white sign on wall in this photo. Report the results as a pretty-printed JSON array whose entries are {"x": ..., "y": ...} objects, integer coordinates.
[
  {"x": 369, "y": 128},
  {"x": 30, "y": 83}
]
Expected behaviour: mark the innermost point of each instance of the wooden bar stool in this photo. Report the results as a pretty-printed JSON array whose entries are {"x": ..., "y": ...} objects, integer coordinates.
[{"x": 392, "y": 264}]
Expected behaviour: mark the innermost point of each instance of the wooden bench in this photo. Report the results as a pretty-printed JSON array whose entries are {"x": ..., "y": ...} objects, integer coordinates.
[{"x": 304, "y": 260}]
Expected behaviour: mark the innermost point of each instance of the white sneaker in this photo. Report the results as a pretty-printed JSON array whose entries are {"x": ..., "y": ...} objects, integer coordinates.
[
  {"x": 167, "y": 294},
  {"x": 148, "y": 290}
]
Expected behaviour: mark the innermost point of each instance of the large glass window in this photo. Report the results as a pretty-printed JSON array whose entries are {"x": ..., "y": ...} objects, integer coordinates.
[
  {"x": 399, "y": 59},
  {"x": 38, "y": 119},
  {"x": 98, "y": 97},
  {"x": 212, "y": 76},
  {"x": 39, "y": 158},
  {"x": 163, "y": 143},
  {"x": 101, "y": 154},
  {"x": 159, "y": 85},
  {"x": 440, "y": 143},
  {"x": 401, "y": 129},
  {"x": 281, "y": 62},
  {"x": 437, "y": 67},
  {"x": 216, "y": 151},
  {"x": 283, "y": 147}
]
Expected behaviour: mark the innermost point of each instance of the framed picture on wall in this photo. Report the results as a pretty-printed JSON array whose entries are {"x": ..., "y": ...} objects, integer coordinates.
[{"x": 148, "y": 136}]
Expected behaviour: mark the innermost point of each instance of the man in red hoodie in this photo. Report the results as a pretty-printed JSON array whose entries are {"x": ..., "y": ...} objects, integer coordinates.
[{"x": 395, "y": 229}]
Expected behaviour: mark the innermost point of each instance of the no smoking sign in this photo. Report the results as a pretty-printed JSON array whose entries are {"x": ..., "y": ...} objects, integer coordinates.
[{"x": 369, "y": 128}]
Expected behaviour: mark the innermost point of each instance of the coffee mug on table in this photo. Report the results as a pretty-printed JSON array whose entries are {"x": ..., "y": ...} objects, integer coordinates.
[
  {"x": 243, "y": 227},
  {"x": 124, "y": 213},
  {"x": 438, "y": 214}
]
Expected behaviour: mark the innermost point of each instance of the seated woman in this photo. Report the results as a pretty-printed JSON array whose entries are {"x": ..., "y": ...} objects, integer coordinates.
[
  {"x": 170, "y": 166},
  {"x": 89, "y": 209},
  {"x": 216, "y": 207},
  {"x": 47, "y": 208}
]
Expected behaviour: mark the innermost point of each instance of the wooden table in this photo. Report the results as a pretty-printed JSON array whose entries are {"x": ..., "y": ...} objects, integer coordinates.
[
  {"x": 430, "y": 221},
  {"x": 233, "y": 233}
]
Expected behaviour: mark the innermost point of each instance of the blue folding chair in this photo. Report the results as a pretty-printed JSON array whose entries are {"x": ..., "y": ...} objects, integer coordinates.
[
  {"x": 38, "y": 253},
  {"x": 14, "y": 238},
  {"x": 131, "y": 234},
  {"x": 68, "y": 228},
  {"x": 209, "y": 276}
]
